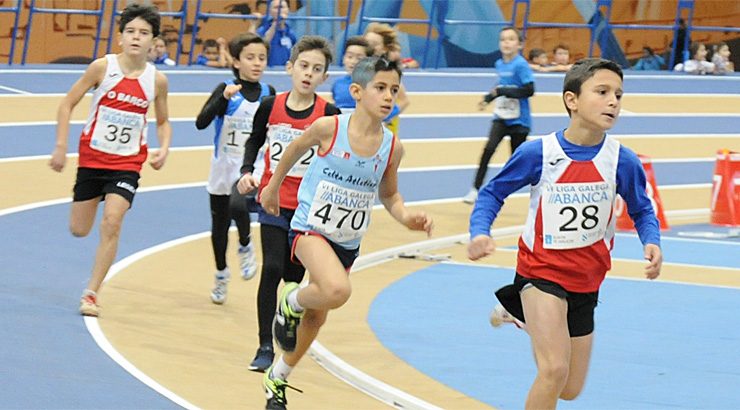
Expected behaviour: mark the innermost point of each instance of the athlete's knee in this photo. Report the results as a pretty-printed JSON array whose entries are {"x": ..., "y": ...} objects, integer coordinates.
[
  {"x": 555, "y": 372},
  {"x": 337, "y": 293},
  {"x": 571, "y": 392},
  {"x": 111, "y": 225},
  {"x": 79, "y": 231}
]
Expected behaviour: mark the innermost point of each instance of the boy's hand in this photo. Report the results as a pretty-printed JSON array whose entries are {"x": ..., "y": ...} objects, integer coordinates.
[
  {"x": 221, "y": 42},
  {"x": 655, "y": 256},
  {"x": 270, "y": 199},
  {"x": 482, "y": 105},
  {"x": 58, "y": 159},
  {"x": 480, "y": 246},
  {"x": 158, "y": 158},
  {"x": 419, "y": 221},
  {"x": 247, "y": 183},
  {"x": 231, "y": 89}
]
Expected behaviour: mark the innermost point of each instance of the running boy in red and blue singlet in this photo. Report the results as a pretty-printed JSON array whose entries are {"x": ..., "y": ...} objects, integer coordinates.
[
  {"x": 113, "y": 144},
  {"x": 564, "y": 251}
]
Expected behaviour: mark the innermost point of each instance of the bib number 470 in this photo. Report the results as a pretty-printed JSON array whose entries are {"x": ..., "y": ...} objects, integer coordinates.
[{"x": 356, "y": 218}]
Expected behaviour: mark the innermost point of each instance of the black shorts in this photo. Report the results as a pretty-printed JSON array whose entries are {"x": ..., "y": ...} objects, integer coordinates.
[
  {"x": 581, "y": 306},
  {"x": 346, "y": 256},
  {"x": 92, "y": 183}
]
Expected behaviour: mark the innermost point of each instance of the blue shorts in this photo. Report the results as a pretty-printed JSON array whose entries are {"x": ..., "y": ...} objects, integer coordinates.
[
  {"x": 282, "y": 221},
  {"x": 346, "y": 256}
]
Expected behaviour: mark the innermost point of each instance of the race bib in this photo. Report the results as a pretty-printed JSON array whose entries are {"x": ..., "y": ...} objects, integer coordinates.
[
  {"x": 280, "y": 136},
  {"x": 234, "y": 135},
  {"x": 506, "y": 108},
  {"x": 575, "y": 215},
  {"x": 341, "y": 214},
  {"x": 117, "y": 132}
]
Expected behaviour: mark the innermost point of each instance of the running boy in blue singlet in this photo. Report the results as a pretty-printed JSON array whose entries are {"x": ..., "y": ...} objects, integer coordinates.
[
  {"x": 357, "y": 159},
  {"x": 232, "y": 105},
  {"x": 355, "y": 49},
  {"x": 511, "y": 114},
  {"x": 564, "y": 251}
]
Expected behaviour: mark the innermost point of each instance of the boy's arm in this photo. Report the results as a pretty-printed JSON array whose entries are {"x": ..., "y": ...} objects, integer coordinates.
[
  {"x": 164, "y": 128},
  {"x": 402, "y": 100},
  {"x": 91, "y": 78},
  {"x": 320, "y": 133},
  {"x": 631, "y": 184},
  {"x": 393, "y": 201},
  {"x": 254, "y": 143},
  {"x": 214, "y": 107}
]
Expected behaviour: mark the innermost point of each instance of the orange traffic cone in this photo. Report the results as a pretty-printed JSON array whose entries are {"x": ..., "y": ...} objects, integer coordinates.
[
  {"x": 725, "y": 206},
  {"x": 624, "y": 223}
]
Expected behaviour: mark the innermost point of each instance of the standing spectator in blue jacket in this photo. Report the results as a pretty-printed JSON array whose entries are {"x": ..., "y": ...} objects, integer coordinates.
[
  {"x": 649, "y": 60},
  {"x": 277, "y": 32}
]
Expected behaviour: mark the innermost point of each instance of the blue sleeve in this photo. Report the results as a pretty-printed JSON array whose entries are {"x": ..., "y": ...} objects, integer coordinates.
[
  {"x": 262, "y": 29},
  {"x": 631, "y": 186},
  {"x": 525, "y": 72},
  {"x": 639, "y": 65},
  {"x": 393, "y": 114},
  {"x": 523, "y": 168},
  {"x": 201, "y": 60}
]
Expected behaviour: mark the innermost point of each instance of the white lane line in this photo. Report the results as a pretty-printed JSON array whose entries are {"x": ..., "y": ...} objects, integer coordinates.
[{"x": 14, "y": 90}]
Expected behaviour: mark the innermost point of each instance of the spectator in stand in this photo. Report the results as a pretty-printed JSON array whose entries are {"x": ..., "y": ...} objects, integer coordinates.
[
  {"x": 158, "y": 52},
  {"x": 214, "y": 54},
  {"x": 538, "y": 60},
  {"x": 649, "y": 60},
  {"x": 561, "y": 58},
  {"x": 698, "y": 63},
  {"x": 721, "y": 59},
  {"x": 276, "y": 31}
]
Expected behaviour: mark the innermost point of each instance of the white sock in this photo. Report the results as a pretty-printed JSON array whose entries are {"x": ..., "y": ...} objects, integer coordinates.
[
  {"x": 223, "y": 274},
  {"x": 281, "y": 370},
  {"x": 88, "y": 292},
  {"x": 293, "y": 301}
]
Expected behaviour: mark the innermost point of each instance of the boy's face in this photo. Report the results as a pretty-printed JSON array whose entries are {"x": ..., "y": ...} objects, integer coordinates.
[
  {"x": 701, "y": 53},
  {"x": 379, "y": 96},
  {"x": 508, "y": 43},
  {"x": 724, "y": 52},
  {"x": 562, "y": 56},
  {"x": 211, "y": 53},
  {"x": 251, "y": 62},
  {"x": 376, "y": 43},
  {"x": 600, "y": 100},
  {"x": 137, "y": 38},
  {"x": 308, "y": 71},
  {"x": 279, "y": 6},
  {"x": 353, "y": 55},
  {"x": 159, "y": 47},
  {"x": 541, "y": 59}
]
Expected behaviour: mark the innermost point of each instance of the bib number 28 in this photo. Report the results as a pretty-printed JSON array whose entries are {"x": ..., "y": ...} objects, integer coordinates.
[{"x": 588, "y": 218}]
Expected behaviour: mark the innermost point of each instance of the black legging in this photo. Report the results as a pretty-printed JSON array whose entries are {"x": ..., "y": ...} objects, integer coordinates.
[
  {"x": 499, "y": 130},
  {"x": 224, "y": 208},
  {"x": 276, "y": 265}
]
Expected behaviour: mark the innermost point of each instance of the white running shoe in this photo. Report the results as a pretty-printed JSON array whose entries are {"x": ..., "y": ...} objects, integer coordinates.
[
  {"x": 499, "y": 316},
  {"x": 220, "y": 288},
  {"x": 247, "y": 261},
  {"x": 471, "y": 196}
]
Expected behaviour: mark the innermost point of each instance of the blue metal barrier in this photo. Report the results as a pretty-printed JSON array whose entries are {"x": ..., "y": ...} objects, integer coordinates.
[
  {"x": 41, "y": 10},
  {"x": 182, "y": 15},
  {"x": 14, "y": 32}
]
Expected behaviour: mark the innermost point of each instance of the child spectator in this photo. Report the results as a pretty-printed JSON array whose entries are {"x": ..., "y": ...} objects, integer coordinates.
[
  {"x": 355, "y": 49},
  {"x": 698, "y": 63},
  {"x": 721, "y": 59},
  {"x": 276, "y": 31},
  {"x": 158, "y": 52},
  {"x": 214, "y": 54},
  {"x": 649, "y": 60},
  {"x": 538, "y": 60}
]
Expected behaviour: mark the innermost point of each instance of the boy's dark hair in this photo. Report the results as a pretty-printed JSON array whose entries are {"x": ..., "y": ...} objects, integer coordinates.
[
  {"x": 584, "y": 69},
  {"x": 359, "y": 41},
  {"x": 150, "y": 14},
  {"x": 518, "y": 33},
  {"x": 561, "y": 47},
  {"x": 308, "y": 43},
  {"x": 535, "y": 52},
  {"x": 649, "y": 50},
  {"x": 237, "y": 44},
  {"x": 694, "y": 47},
  {"x": 210, "y": 43},
  {"x": 366, "y": 69}
]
